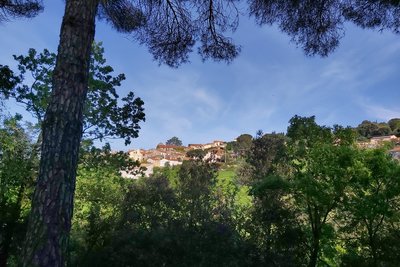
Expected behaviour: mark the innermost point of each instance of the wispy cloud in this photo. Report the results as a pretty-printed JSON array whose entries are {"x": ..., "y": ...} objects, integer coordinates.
[
  {"x": 263, "y": 88},
  {"x": 381, "y": 112},
  {"x": 207, "y": 99}
]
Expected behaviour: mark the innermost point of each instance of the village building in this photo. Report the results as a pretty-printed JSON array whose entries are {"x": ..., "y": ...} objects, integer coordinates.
[
  {"x": 215, "y": 154},
  {"x": 171, "y": 155},
  {"x": 195, "y": 146},
  {"x": 381, "y": 139},
  {"x": 165, "y": 148},
  {"x": 136, "y": 154},
  {"x": 395, "y": 152},
  {"x": 169, "y": 162}
]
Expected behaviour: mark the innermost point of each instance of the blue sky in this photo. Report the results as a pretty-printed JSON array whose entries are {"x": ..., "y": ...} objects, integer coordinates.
[{"x": 263, "y": 88}]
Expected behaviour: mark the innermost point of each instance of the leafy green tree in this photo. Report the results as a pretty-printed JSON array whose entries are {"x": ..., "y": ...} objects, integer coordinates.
[
  {"x": 394, "y": 125},
  {"x": 370, "y": 129},
  {"x": 383, "y": 129},
  {"x": 206, "y": 208},
  {"x": 261, "y": 157},
  {"x": 18, "y": 164},
  {"x": 323, "y": 168},
  {"x": 370, "y": 215},
  {"x": 242, "y": 144},
  {"x": 273, "y": 226},
  {"x": 196, "y": 154},
  {"x": 148, "y": 233},
  {"x": 304, "y": 132},
  {"x": 7, "y": 78},
  {"x": 367, "y": 129},
  {"x": 175, "y": 141},
  {"x": 109, "y": 121},
  {"x": 100, "y": 191},
  {"x": 195, "y": 183},
  {"x": 320, "y": 183},
  {"x": 175, "y": 223},
  {"x": 266, "y": 152}
]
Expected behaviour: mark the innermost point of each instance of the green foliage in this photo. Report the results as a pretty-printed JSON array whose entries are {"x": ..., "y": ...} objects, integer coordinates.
[
  {"x": 18, "y": 165},
  {"x": 266, "y": 152},
  {"x": 273, "y": 226},
  {"x": 196, "y": 180},
  {"x": 93, "y": 158},
  {"x": 304, "y": 132},
  {"x": 175, "y": 141},
  {"x": 100, "y": 190},
  {"x": 196, "y": 154},
  {"x": 394, "y": 125},
  {"x": 370, "y": 213},
  {"x": 312, "y": 198},
  {"x": 242, "y": 144},
  {"x": 160, "y": 224},
  {"x": 169, "y": 172},
  {"x": 324, "y": 163},
  {"x": 370, "y": 129},
  {"x": 7, "y": 78},
  {"x": 111, "y": 120}
]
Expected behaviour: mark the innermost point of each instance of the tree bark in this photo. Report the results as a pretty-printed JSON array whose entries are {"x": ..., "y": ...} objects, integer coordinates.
[
  {"x": 314, "y": 247},
  {"x": 52, "y": 204}
]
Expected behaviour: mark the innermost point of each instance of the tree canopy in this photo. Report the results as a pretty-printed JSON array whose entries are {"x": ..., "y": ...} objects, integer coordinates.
[
  {"x": 104, "y": 116},
  {"x": 318, "y": 25},
  {"x": 174, "y": 141}
]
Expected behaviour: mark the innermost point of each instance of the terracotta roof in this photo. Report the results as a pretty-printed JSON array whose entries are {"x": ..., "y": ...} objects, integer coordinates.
[
  {"x": 395, "y": 149},
  {"x": 384, "y": 137}
]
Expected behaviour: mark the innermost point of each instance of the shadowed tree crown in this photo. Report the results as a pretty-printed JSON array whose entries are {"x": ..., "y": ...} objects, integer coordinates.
[
  {"x": 318, "y": 25},
  {"x": 171, "y": 28},
  {"x": 19, "y": 8},
  {"x": 174, "y": 141}
]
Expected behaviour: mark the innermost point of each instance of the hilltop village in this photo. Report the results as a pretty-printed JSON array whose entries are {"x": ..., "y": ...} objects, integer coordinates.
[
  {"x": 171, "y": 155},
  {"x": 217, "y": 151}
]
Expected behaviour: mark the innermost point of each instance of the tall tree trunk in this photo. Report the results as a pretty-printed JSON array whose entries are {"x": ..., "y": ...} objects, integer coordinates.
[
  {"x": 52, "y": 205},
  {"x": 314, "y": 249},
  {"x": 5, "y": 246}
]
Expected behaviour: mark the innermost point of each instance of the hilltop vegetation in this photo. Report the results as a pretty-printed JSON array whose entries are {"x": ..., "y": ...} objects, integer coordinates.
[
  {"x": 368, "y": 129},
  {"x": 310, "y": 197}
]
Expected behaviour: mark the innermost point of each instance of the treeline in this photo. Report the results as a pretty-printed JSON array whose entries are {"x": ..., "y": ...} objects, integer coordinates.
[
  {"x": 307, "y": 198},
  {"x": 368, "y": 129},
  {"x": 365, "y": 130}
]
